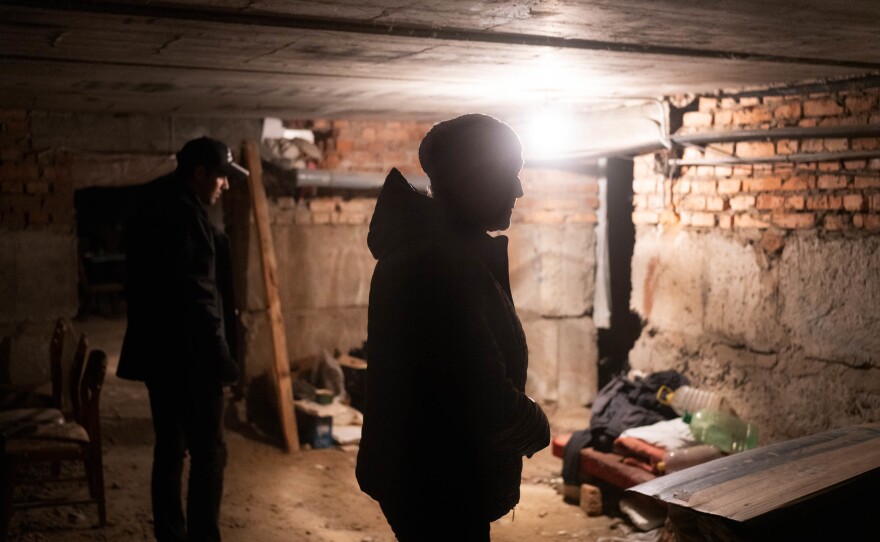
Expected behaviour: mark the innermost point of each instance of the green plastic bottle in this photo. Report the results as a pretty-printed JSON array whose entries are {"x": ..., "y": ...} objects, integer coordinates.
[{"x": 725, "y": 431}]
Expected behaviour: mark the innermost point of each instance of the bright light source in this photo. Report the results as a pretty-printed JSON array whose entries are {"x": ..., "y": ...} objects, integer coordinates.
[{"x": 547, "y": 134}]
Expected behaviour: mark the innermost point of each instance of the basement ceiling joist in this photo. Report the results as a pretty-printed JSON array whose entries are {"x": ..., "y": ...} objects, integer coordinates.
[{"x": 403, "y": 59}]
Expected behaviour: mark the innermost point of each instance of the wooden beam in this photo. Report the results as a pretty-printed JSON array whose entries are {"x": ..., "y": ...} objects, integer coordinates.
[{"x": 251, "y": 158}]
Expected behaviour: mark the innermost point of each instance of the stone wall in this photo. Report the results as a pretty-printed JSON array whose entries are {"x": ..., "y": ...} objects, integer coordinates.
[{"x": 760, "y": 280}]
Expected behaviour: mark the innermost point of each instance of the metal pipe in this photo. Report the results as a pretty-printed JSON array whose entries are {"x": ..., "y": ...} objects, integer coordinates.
[
  {"x": 800, "y": 157},
  {"x": 351, "y": 180},
  {"x": 800, "y": 132},
  {"x": 252, "y": 17}
]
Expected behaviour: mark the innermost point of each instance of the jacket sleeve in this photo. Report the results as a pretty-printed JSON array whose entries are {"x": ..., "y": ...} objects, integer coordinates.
[
  {"x": 200, "y": 297},
  {"x": 512, "y": 421}
]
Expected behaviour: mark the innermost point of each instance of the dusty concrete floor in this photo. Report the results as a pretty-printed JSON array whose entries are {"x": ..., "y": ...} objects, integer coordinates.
[{"x": 270, "y": 496}]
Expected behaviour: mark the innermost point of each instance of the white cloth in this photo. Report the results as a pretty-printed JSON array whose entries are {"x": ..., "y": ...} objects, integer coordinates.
[{"x": 668, "y": 434}]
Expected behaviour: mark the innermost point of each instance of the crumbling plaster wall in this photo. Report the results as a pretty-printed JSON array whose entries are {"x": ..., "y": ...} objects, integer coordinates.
[
  {"x": 760, "y": 281},
  {"x": 325, "y": 266}
]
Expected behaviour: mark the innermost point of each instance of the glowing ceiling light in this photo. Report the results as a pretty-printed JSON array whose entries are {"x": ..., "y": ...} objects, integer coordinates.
[{"x": 547, "y": 134}]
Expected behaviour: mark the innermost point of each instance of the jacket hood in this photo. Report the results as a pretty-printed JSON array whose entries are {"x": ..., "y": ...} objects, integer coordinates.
[{"x": 402, "y": 216}]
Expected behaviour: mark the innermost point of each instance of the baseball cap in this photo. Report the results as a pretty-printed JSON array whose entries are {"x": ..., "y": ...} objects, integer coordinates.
[{"x": 205, "y": 151}]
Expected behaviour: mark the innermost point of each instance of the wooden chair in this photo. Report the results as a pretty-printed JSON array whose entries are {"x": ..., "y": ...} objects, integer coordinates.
[
  {"x": 51, "y": 443},
  {"x": 15, "y": 396},
  {"x": 15, "y": 419}
]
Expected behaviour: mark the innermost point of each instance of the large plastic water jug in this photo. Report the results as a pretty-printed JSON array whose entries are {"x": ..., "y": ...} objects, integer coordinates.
[
  {"x": 725, "y": 431},
  {"x": 688, "y": 399}
]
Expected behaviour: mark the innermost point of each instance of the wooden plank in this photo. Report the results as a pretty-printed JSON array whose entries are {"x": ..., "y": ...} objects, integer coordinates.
[
  {"x": 251, "y": 158},
  {"x": 767, "y": 490},
  {"x": 746, "y": 485}
]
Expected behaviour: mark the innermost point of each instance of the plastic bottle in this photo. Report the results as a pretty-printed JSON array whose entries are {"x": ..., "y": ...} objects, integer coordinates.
[
  {"x": 688, "y": 399},
  {"x": 729, "y": 433},
  {"x": 676, "y": 460}
]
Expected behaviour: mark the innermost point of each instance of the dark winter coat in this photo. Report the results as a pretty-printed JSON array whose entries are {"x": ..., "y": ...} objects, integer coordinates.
[
  {"x": 178, "y": 290},
  {"x": 446, "y": 413}
]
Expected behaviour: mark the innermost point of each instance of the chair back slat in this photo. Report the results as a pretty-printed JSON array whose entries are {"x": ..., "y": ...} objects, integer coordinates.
[
  {"x": 56, "y": 349},
  {"x": 76, "y": 372},
  {"x": 90, "y": 394}
]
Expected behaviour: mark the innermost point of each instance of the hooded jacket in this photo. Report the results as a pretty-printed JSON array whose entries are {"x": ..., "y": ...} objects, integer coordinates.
[{"x": 445, "y": 411}]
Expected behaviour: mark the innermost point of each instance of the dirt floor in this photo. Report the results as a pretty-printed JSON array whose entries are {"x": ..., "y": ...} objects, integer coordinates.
[{"x": 270, "y": 496}]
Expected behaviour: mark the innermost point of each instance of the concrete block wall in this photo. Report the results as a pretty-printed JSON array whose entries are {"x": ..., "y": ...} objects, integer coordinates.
[
  {"x": 760, "y": 280},
  {"x": 37, "y": 249},
  {"x": 44, "y": 158},
  {"x": 325, "y": 266}
]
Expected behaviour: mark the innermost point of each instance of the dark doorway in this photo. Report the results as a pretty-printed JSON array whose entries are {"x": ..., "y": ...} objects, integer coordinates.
[
  {"x": 101, "y": 213},
  {"x": 616, "y": 341}
]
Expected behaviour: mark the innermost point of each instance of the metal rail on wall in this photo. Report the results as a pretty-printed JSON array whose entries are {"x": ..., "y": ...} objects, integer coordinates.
[{"x": 703, "y": 139}]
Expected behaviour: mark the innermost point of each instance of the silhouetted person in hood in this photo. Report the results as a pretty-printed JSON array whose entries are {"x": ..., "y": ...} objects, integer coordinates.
[{"x": 447, "y": 421}]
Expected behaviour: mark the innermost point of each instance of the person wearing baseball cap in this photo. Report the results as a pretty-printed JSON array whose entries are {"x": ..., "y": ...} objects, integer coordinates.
[{"x": 180, "y": 336}]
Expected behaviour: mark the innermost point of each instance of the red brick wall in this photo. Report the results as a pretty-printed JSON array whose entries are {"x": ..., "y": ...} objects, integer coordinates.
[
  {"x": 370, "y": 146},
  {"x": 35, "y": 192},
  {"x": 828, "y": 195}
]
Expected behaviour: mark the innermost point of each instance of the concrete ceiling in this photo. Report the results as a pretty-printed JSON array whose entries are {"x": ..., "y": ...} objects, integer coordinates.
[{"x": 406, "y": 59}]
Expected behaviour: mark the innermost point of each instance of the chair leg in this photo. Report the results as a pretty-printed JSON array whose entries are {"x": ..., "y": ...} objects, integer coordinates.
[{"x": 94, "y": 466}]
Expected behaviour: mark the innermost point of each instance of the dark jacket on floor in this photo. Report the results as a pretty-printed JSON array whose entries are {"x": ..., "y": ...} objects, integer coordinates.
[
  {"x": 446, "y": 415},
  {"x": 178, "y": 290}
]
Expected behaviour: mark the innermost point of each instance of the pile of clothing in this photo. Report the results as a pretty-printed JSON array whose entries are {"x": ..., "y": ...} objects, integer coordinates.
[{"x": 629, "y": 432}]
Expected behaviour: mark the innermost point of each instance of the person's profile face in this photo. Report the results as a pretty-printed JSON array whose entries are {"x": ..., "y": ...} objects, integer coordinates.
[
  {"x": 508, "y": 189},
  {"x": 498, "y": 187},
  {"x": 209, "y": 184}
]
